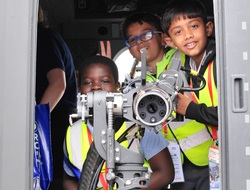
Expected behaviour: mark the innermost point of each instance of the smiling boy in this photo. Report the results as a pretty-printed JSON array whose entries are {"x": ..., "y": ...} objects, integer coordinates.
[{"x": 186, "y": 28}]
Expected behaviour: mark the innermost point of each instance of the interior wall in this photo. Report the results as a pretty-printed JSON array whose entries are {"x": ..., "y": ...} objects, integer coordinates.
[
  {"x": 83, "y": 23},
  {"x": 83, "y": 35}
]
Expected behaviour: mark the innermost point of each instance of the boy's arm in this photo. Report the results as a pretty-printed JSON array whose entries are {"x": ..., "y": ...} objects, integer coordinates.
[
  {"x": 163, "y": 170},
  {"x": 69, "y": 183},
  {"x": 202, "y": 114},
  {"x": 106, "y": 51},
  {"x": 154, "y": 148},
  {"x": 198, "y": 112}
]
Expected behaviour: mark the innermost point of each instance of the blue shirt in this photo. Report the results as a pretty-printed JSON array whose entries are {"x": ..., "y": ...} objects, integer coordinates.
[{"x": 152, "y": 143}]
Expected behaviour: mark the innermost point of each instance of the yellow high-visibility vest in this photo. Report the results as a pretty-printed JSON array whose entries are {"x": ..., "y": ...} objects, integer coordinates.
[
  {"x": 195, "y": 138},
  {"x": 78, "y": 141}
]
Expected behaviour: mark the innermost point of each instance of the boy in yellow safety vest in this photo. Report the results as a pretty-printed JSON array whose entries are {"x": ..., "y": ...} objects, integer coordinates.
[
  {"x": 101, "y": 73},
  {"x": 143, "y": 30},
  {"x": 187, "y": 29}
]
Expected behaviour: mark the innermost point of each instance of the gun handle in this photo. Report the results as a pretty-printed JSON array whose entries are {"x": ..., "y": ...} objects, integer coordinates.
[{"x": 179, "y": 117}]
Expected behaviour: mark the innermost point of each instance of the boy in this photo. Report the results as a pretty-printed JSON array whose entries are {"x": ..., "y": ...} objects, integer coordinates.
[
  {"x": 101, "y": 73},
  {"x": 186, "y": 28},
  {"x": 143, "y": 30}
]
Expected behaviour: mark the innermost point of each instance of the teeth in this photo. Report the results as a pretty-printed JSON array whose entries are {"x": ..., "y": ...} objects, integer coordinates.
[
  {"x": 190, "y": 45},
  {"x": 142, "y": 50}
]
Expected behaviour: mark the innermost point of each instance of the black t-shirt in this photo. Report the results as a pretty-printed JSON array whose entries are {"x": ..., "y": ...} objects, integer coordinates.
[{"x": 53, "y": 52}]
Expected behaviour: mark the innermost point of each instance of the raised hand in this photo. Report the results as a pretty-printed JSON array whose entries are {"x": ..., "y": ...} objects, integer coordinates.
[{"x": 105, "y": 50}]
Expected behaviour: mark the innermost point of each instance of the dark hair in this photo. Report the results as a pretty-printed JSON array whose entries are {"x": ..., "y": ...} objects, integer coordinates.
[
  {"x": 186, "y": 8},
  {"x": 141, "y": 17},
  {"x": 42, "y": 18},
  {"x": 97, "y": 59}
]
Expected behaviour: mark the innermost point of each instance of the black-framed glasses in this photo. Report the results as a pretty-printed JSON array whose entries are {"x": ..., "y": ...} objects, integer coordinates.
[{"x": 146, "y": 36}]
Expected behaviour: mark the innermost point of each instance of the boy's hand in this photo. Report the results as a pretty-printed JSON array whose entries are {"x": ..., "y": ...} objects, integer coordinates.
[
  {"x": 183, "y": 101},
  {"x": 105, "y": 51}
]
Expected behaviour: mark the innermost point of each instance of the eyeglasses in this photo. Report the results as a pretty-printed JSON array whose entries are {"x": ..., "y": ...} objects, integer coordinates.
[{"x": 146, "y": 36}]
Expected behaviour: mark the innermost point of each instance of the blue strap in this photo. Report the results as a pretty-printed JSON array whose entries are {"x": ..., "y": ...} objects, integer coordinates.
[{"x": 73, "y": 168}]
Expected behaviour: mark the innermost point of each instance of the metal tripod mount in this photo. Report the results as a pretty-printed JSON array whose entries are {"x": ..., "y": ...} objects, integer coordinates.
[{"x": 145, "y": 104}]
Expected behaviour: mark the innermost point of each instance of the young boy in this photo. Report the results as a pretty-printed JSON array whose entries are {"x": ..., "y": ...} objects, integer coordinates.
[
  {"x": 143, "y": 30},
  {"x": 101, "y": 73},
  {"x": 186, "y": 27}
]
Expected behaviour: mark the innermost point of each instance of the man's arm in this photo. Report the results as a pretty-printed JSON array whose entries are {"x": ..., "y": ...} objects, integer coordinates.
[{"x": 55, "y": 89}]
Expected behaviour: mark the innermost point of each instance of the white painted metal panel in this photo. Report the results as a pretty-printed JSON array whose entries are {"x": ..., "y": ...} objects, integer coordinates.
[
  {"x": 18, "y": 21},
  {"x": 232, "y": 20}
]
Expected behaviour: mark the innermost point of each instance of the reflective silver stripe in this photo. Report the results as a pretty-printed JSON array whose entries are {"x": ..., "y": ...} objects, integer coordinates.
[
  {"x": 76, "y": 147},
  {"x": 176, "y": 124},
  {"x": 75, "y": 138},
  {"x": 194, "y": 140}
]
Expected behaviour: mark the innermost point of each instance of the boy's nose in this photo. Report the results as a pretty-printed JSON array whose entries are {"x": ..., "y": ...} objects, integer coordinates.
[
  {"x": 96, "y": 86},
  {"x": 139, "y": 41},
  {"x": 189, "y": 35}
]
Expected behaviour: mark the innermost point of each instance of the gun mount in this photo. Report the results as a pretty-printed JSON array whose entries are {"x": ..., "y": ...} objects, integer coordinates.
[{"x": 146, "y": 104}]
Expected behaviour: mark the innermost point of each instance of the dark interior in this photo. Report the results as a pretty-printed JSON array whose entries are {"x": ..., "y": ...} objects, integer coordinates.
[{"x": 83, "y": 23}]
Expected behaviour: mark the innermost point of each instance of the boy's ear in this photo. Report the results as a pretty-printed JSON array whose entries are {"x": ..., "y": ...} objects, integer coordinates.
[
  {"x": 162, "y": 40},
  {"x": 168, "y": 41},
  {"x": 209, "y": 28}
]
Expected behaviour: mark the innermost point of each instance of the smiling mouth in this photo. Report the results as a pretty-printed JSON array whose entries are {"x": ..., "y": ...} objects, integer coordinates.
[
  {"x": 190, "y": 45},
  {"x": 143, "y": 48}
]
